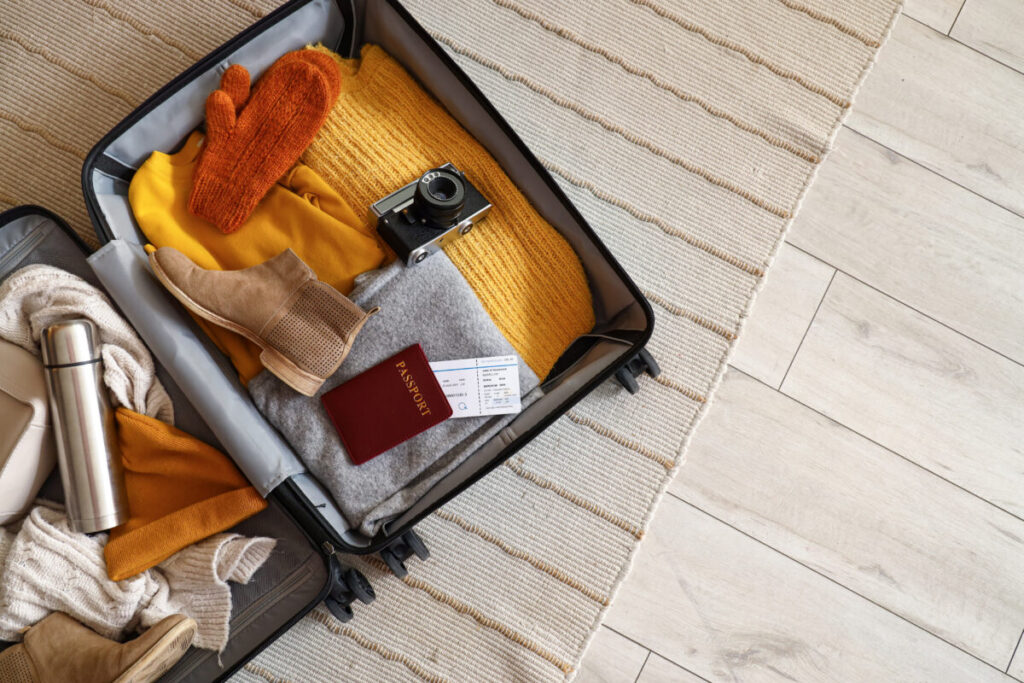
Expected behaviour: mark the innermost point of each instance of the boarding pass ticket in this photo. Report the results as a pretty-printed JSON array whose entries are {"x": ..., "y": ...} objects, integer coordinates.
[{"x": 480, "y": 386}]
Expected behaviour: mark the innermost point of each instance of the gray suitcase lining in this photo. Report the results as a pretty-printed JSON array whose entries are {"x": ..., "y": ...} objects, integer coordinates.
[
  {"x": 295, "y": 575},
  {"x": 206, "y": 376}
]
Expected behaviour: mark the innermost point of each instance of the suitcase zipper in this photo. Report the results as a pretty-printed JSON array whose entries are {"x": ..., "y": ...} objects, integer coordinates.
[
  {"x": 24, "y": 247},
  {"x": 245, "y": 618},
  {"x": 258, "y": 607}
]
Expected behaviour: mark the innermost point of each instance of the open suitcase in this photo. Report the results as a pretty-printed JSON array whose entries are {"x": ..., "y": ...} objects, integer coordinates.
[
  {"x": 293, "y": 580},
  {"x": 208, "y": 396}
]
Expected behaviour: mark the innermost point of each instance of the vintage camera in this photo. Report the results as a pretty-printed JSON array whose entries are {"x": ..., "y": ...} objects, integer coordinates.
[{"x": 425, "y": 215}]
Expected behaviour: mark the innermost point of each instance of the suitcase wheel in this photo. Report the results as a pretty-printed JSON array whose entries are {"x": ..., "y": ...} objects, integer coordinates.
[
  {"x": 350, "y": 586},
  {"x": 416, "y": 544},
  {"x": 407, "y": 545},
  {"x": 359, "y": 586},
  {"x": 642, "y": 362},
  {"x": 347, "y": 586},
  {"x": 342, "y": 613},
  {"x": 396, "y": 566}
]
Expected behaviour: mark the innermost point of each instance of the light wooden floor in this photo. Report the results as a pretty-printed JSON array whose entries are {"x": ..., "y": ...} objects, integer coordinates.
[{"x": 852, "y": 508}]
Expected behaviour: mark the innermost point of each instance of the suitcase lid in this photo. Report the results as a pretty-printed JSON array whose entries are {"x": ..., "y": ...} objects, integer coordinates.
[
  {"x": 296, "y": 576},
  {"x": 625, "y": 319}
]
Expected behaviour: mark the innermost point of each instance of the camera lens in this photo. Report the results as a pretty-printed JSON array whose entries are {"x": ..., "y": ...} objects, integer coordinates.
[
  {"x": 440, "y": 197},
  {"x": 442, "y": 188}
]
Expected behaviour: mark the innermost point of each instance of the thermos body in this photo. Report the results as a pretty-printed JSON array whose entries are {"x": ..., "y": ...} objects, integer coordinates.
[{"x": 84, "y": 429}]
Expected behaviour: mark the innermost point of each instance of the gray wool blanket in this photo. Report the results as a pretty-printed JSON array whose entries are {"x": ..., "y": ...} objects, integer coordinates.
[{"x": 430, "y": 304}]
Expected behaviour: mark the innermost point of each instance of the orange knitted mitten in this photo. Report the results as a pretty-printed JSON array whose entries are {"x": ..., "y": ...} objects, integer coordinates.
[{"x": 252, "y": 141}]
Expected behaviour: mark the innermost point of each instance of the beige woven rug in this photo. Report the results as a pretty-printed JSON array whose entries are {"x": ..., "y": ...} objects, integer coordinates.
[{"x": 686, "y": 131}]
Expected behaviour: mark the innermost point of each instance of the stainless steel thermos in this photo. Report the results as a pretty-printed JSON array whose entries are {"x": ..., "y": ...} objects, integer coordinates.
[{"x": 83, "y": 425}]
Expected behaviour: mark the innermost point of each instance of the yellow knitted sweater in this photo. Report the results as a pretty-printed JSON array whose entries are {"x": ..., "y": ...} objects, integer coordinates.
[{"x": 384, "y": 132}]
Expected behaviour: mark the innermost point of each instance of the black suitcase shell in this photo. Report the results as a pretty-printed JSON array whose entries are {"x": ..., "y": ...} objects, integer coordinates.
[
  {"x": 624, "y": 317},
  {"x": 297, "y": 575}
]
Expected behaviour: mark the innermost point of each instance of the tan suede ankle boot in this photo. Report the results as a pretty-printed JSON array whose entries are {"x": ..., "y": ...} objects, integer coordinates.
[
  {"x": 305, "y": 327},
  {"x": 60, "y": 650}
]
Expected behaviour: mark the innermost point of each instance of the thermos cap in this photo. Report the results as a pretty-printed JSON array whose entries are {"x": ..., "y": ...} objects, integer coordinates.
[{"x": 70, "y": 342}]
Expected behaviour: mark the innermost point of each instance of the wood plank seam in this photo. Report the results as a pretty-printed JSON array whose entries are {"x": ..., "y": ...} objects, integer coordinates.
[
  {"x": 810, "y": 324},
  {"x": 905, "y": 305},
  {"x": 963, "y": 44},
  {"x": 876, "y": 443},
  {"x": 932, "y": 170},
  {"x": 640, "y": 673},
  {"x": 1017, "y": 647},
  {"x": 955, "y": 19},
  {"x": 974, "y": 49},
  {"x": 652, "y": 652},
  {"x": 826, "y": 576}
]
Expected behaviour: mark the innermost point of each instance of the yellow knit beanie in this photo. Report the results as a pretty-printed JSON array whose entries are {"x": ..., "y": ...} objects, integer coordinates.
[{"x": 384, "y": 132}]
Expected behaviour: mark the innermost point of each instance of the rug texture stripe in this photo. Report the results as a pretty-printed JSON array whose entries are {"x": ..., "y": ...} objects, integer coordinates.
[{"x": 686, "y": 131}]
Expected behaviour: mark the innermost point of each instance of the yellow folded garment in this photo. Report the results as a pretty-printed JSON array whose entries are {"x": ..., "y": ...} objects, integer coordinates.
[
  {"x": 383, "y": 132},
  {"x": 301, "y": 212},
  {"x": 180, "y": 491}
]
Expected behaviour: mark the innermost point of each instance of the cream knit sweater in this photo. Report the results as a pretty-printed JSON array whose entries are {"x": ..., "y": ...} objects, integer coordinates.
[
  {"x": 45, "y": 567},
  {"x": 36, "y": 296}
]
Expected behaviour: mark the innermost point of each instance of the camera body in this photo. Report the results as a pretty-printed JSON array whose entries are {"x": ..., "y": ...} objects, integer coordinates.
[{"x": 428, "y": 213}]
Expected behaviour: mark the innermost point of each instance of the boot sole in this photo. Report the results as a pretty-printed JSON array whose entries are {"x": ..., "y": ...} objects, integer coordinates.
[
  {"x": 273, "y": 360},
  {"x": 162, "y": 656}
]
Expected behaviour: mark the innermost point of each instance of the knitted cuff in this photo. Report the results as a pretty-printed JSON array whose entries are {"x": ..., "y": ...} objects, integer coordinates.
[
  {"x": 241, "y": 557},
  {"x": 209, "y": 191},
  {"x": 197, "y": 577}
]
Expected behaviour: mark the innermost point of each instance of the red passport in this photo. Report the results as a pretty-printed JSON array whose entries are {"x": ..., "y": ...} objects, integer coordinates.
[{"x": 390, "y": 403}]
